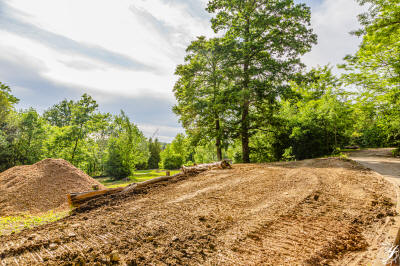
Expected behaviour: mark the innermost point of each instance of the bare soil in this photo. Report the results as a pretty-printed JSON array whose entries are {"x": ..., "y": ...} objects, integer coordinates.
[
  {"x": 41, "y": 187},
  {"x": 313, "y": 212}
]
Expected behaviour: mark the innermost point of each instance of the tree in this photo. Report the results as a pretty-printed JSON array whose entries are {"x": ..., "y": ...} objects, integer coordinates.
[
  {"x": 82, "y": 113},
  {"x": 60, "y": 114},
  {"x": 75, "y": 124},
  {"x": 375, "y": 68},
  {"x": 176, "y": 154},
  {"x": 6, "y": 91},
  {"x": 155, "y": 149},
  {"x": 31, "y": 136},
  {"x": 127, "y": 148},
  {"x": 200, "y": 92},
  {"x": 8, "y": 128},
  {"x": 265, "y": 40},
  {"x": 316, "y": 121},
  {"x": 7, "y": 102}
]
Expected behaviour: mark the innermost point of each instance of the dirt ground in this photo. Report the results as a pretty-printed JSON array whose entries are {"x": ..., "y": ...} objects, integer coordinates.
[{"x": 313, "y": 212}]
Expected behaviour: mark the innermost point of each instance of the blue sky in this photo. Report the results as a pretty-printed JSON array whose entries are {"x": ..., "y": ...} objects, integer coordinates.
[{"x": 124, "y": 52}]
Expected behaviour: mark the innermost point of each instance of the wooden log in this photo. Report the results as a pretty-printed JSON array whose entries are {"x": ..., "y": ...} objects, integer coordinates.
[
  {"x": 148, "y": 182},
  {"x": 76, "y": 199},
  {"x": 185, "y": 170},
  {"x": 204, "y": 167}
]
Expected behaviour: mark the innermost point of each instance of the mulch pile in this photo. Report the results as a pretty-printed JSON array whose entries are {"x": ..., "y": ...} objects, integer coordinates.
[{"x": 41, "y": 187}]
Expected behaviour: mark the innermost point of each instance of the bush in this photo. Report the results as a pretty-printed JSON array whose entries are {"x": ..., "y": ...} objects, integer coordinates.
[
  {"x": 115, "y": 165},
  {"x": 172, "y": 161}
]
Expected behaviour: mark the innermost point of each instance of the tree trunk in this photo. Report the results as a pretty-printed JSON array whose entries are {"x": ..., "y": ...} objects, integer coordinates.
[
  {"x": 245, "y": 132},
  {"x": 218, "y": 140},
  {"x": 76, "y": 144},
  {"x": 74, "y": 150},
  {"x": 245, "y": 104}
]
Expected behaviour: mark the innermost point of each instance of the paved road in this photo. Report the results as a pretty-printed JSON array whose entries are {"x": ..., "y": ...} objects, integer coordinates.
[{"x": 381, "y": 161}]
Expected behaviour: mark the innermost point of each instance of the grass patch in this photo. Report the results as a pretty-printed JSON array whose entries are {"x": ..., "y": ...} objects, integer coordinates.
[
  {"x": 14, "y": 224},
  {"x": 138, "y": 176}
]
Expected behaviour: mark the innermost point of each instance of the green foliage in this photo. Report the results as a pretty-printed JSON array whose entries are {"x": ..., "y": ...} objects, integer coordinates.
[
  {"x": 375, "y": 70},
  {"x": 75, "y": 126},
  {"x": 320, "y": 120},
  {"x": 263, "y": 43},
  {"x": 201, "y": 92},
  {"x": 177, "y": 153},
  {"x": 32, "y": 134},
  {"x": 244, "y": 95},
  {"x": 74, "y": 131},
  {"x": 138, "y": 176},
  {"x": 6, "y": 91},
  {"x": 396, "y": 153},
  {"x": 155, "y": 149},
  {"x": 60, "y": 114},
  {"x": 127, "y": 148},
  {"x": 205, "y": 154},
  {"x": 116, "y": 166},
  {"x": 234, "y": 152}
]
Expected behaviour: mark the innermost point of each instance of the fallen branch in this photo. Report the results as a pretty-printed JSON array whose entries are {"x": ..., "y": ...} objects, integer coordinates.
[
  {"x": 134, "y": 186},
  {"x": 76, "y": 199},
  {"x": 185, "y": 171}
]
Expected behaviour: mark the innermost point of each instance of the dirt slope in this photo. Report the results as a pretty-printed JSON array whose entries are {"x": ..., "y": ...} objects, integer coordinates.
[
  {"x": 324, "y": 211},
  {"x": 41, "y": 187}
]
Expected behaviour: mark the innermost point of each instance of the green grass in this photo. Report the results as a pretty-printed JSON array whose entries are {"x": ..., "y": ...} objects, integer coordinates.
[
  {"x": 14, "y": 224},
  {"x": 139, "y": 176}
]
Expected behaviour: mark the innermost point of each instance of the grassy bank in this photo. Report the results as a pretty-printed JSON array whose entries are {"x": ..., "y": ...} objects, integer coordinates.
[{"x": 139, "y": 176}]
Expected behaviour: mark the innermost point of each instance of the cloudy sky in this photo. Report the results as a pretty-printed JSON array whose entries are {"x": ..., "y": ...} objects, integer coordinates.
[{"x": 124, "y": 52}]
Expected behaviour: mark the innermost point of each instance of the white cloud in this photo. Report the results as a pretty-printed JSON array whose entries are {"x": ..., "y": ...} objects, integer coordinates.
[
  {"x": 113, "y": 26},
  {"x": 332, "y": 21},
  {"x": 128, "y": 49}
]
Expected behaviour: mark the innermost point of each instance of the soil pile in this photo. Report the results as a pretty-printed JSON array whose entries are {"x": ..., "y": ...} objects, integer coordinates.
[{"x": 41, "y": 187}]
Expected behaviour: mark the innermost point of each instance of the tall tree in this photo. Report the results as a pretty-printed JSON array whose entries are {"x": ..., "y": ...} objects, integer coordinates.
[
  {"x": 266, "y": 39},
  {"x": 31, "y": 136},
  {"x": 127, "y": 148},
  {"x": 155, "y": 149},
  {"x": 8, "y": 128},
  {"x": 72, "y": 128},
  {"x": 60, "y": 114},
  {"x": 375, "y": 68},
  {"x": 83, "y": 112},
  {"x": 200, "y": 92}
]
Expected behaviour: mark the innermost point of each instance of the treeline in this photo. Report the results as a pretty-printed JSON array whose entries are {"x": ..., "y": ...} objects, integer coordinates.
[
  {"x": 249, "y": 94},
  {"x": 100, "y": 144}
]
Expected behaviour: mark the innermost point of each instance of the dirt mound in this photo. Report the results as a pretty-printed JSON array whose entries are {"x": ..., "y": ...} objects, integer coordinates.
[
  {"x": 41, "y": 187},
  {"x": 313, "y": 212}
]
